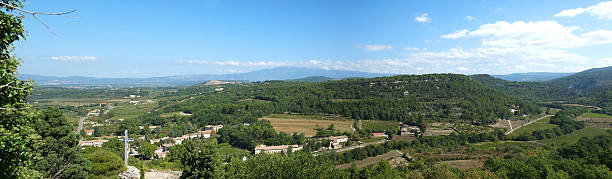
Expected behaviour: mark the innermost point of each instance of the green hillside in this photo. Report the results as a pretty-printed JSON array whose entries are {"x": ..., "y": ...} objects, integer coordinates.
[
  {"x": 436, "y": 97},
  {"x": 592, "y": 80},
  {"x": 531, "y": 91}
]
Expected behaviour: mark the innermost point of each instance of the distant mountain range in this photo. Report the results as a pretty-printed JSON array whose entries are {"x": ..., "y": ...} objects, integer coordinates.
[
  {"x": 533, "y": 76},
  {"x": 280, "y": 73}
]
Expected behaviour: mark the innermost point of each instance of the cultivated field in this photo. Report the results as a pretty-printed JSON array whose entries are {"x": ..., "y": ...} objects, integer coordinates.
[
  {"x": 462, "y": 164},
  {"x": 371, "y": 160},
  {"x": 306, "y": 124},
  {"x": 595, "y": 120},
  {"x": 575, "y": 136},
  {"x": 380, "y": 126}
]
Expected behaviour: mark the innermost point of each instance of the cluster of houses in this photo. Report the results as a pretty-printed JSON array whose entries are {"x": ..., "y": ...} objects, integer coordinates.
[
  {"x": 407, "y": 130},
  {"x": 276, "y": 149}
]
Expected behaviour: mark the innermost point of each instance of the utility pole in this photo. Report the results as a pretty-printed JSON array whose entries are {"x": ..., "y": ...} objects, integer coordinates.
[{"x": 127, "y": 151}]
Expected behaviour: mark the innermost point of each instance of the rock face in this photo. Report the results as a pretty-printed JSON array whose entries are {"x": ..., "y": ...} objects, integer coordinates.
[
  {"x": 131, "y": 173},
  {"x": 155, "y": 174}
]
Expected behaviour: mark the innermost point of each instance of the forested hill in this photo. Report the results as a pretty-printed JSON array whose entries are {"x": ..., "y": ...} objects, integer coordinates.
[
  {"x": 531, "y": 91},
  {"x": 413, "y": 98},
  {"x": 593, "y": 80}
]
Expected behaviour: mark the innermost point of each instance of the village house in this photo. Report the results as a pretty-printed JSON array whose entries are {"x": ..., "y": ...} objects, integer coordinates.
[
  {"x": 95, "y": 143},
  {"x": 160, "y": 153},
  {"x": 375, "y": 134},
  {"x": 276, "y": 149},
  {"x": 95, "y": 112},
  {"x": 335, "y": 141},
  {"x": 134, "y": 102},
  {"x": 406, "y": 130},
  {"x": 205, "y": 134},
  {"x": 211, "y": 127},
  {"x": 89, "y": 131}
]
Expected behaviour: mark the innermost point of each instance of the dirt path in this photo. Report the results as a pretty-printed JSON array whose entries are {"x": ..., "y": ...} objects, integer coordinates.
[{"x": 514, "y": 129}]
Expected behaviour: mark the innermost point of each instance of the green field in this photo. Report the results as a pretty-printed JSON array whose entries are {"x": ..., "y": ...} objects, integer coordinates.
[
  {"x": 308, "y": 116},
  {"x": 575, "y": 136},
  {"x": 539, "y": 125},
  {"x": 596, "y": 115},
  {"x": 130, "y": 111},
  {"x": 380, "y": 126}
]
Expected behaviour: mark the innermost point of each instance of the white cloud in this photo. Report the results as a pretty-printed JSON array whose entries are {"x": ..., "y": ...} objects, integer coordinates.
[
  {"x": 73, "y": 58},
  {"x": 240, "y": 63},
  {"x": 423, "y": 18},
  {"x": 463, "y": 69},
  {"x": 414, "y": 49},
  {"x": 545, "y": 34},
  {"x": 375, "y": 47},
  {"x": 470, "y": 18},
  {"x": 456, "y": 35},
  {"x": 602, "y": 10}
]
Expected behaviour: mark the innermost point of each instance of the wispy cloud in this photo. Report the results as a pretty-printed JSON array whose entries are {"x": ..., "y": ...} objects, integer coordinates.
[
  {"x": 73, "y": 58},
  {"x": 375, "y": 47},
  {"x": 423, "y": 18},
  {"x": 602, "y": 10},
  {"x": 240, "y": 63},
  {"x": 470, "y": 18},
  {"x": 456, "y": 35}
]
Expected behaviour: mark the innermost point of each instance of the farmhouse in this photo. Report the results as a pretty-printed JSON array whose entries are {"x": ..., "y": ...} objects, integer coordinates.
[
  {"x": 379, "y": 135},
  {"x": 406, "y": 130},
  {"x": 95, "y": 112},
  {"x": 153, "y": 127},
  {"x": 211, "y": 127},
  {"x": 95, "y": 143},
  {"x": 334, "y": 141},
  {"x": 276, "y": 149},
  {"x": 90, "y": 131}
]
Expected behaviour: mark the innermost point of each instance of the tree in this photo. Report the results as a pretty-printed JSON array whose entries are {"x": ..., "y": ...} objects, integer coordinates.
[
  {"x": 201, "y": 160},
  {"x": 147, "y": 150},
  {"x": 104, "y": 163},
  {"x": 17, "y": 138},
  {"x": 60, "y": 157}
]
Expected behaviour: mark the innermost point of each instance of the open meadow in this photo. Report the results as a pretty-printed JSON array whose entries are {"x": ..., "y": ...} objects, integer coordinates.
[{"x": 306, "y": 124}]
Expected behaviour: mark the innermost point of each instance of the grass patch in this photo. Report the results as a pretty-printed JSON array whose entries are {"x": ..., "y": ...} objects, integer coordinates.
[
  {"x": 309, "y": 116},
  {"x": 371, "y": 160},
  {"x": 374, "y": 139},
  {"x": 130, "y": 111},
  {"x": 538, "y": 125},
  {"x": 575, "y": 136},
  {"x": 305, "y": 125},
  {"x": 596, "y": 115},
  {"x": 380, "y": 126}
]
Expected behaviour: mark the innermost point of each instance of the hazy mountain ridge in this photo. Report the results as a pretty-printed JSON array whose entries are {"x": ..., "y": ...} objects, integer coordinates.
[
  {"x": 592, "y": 80},
  {"x": 532, "y": 76},
  {"x": 280, "y": 73}
]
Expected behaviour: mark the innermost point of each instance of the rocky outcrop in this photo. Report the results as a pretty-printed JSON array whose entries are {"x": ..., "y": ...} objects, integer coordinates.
[{"x": 131, "y": 173}]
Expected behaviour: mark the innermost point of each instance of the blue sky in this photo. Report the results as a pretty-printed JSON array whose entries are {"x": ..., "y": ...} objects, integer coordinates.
[{"x": 160, "y": 38}]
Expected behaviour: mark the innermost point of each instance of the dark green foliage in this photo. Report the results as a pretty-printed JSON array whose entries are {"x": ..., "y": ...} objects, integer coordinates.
[
  {"x": 589, "y": 158},
  {"x": 116, "y": 146},
  {"x": 147, "y": 150},
  {"x": 59, "y": 151},
  {"x": 104, "y": 163},
  {"x": 294, "y": 165},
  {"x": 17, "y": 138},
  {"x": 200, "y": 160}
]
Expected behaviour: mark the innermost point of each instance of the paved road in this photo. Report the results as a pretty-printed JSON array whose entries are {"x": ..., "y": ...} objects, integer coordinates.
[
  {"x": 509, "y": 132},
  {"x": 81, "y": 124}
]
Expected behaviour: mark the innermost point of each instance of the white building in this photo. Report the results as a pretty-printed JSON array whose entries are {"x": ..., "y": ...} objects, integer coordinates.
[
  {"x": 276, "y": 149},
  {"x": 211, "y": 127},
  {"x": 335, "y": 141}
]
